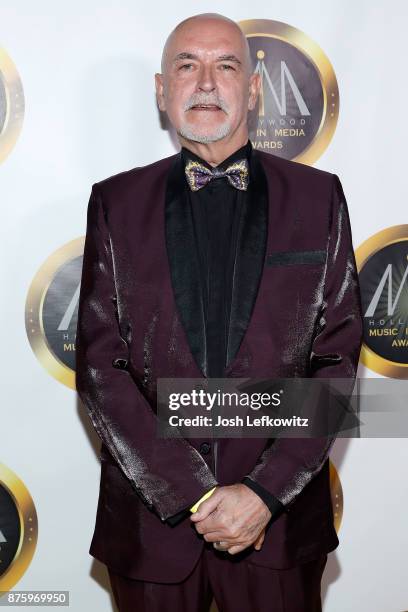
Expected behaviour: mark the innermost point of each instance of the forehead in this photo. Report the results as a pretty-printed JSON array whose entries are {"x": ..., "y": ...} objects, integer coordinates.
[{"x": 207, "y": 41}]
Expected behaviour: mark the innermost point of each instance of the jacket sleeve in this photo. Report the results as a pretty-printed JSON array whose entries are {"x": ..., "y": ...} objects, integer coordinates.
[
  {"x": 288, "y": 464},
  {"x": 168, "y": 473}
]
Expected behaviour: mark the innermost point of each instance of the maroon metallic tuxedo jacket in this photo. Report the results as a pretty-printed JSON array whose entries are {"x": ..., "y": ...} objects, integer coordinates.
[{"x": 295, "y": 312}]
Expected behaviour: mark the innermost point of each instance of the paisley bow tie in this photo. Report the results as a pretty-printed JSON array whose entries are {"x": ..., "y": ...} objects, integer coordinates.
[{"x": 199, "y": 175}]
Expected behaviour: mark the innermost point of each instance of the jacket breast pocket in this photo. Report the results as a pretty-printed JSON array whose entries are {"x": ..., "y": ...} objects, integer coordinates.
[{"x": 287, "y": 258}]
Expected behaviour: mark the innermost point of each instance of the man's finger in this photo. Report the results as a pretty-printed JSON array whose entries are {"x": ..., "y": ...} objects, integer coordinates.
[
  {"x": 221, "y": 545},
  {"x": 212, "y": 525},
  {"x": 205, "y": 508},
  {"x": 217, "y": 536},
  {"x": 215, "y": 524},
  {"x": 236, "y": 549},
  {"x": 259, "y": 541}
]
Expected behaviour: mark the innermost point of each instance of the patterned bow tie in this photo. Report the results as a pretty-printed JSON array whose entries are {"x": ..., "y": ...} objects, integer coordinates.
[{"x": 199, "y": 175}]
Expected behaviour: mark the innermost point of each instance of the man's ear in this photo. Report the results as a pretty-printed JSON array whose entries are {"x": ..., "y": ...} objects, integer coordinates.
[
  {"x": 254, "y": 89},
  {"x": 159, "y": 91}
]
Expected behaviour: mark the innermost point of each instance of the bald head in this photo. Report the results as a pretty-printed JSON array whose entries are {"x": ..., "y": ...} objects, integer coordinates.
[{"x": 206, "y": 27}]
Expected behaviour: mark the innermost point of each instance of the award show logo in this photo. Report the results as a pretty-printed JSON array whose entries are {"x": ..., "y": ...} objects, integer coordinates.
[
  {"x": 11, "y": 105},
  {"x": 52, "y": 309},
  {"x": 18, "y": 528},
  {"x": 298, "y": 104},
  {"x": 382, "y": 261}
]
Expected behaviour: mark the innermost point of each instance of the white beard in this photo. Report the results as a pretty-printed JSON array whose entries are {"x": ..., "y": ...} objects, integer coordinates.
[{"x": 190, "y": 133}]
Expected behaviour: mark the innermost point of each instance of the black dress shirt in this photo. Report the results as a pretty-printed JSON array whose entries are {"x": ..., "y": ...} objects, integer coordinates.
[{"x": 216, "y": 210}]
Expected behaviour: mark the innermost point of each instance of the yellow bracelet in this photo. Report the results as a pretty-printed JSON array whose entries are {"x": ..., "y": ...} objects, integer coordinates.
[{"x": 205, "y": 496}]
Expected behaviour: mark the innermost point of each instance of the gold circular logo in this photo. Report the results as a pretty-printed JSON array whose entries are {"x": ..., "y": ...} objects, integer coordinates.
[
  {"x": 52, "y": 309},
  {"x": 18, "y": 528},
  {"x": 298, "y": 104},
  {"x": 11, "y": 105},
  {"x": 382, "y": 262}
]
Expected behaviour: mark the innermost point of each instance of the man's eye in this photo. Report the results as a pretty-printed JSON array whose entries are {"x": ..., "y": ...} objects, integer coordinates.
[
  {"x": 228, "y": 66},
  {"x": 185, "y": 65}
]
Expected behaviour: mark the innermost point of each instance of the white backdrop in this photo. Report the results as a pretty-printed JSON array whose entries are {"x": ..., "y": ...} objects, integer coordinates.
[{"x": 87, "y": 70}]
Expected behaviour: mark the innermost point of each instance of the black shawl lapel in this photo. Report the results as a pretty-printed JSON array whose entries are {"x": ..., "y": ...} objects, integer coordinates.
[
  {"x": 183, "y": 262},
  {"x": 250, "y": 255}
]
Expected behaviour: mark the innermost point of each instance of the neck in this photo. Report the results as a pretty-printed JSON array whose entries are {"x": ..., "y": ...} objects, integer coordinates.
[{"x": 215, "y": 152}]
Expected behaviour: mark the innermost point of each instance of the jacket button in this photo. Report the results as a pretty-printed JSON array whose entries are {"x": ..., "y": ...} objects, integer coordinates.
[
  {"x": 120, "y": 363},
  {"x": 205, "y": 448}
]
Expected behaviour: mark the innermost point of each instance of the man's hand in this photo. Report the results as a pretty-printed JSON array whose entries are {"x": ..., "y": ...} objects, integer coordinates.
[{"x": 233, "y": 515}]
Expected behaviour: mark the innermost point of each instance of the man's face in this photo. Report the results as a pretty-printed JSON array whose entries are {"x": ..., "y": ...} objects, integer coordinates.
[{"x": 206, "y": 87}]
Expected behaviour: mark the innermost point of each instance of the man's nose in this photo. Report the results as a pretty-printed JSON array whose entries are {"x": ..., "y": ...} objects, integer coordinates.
[{"x": 206, "y": 79}]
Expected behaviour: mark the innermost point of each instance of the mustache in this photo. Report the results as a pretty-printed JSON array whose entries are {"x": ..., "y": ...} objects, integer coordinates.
[{"x": 206, "y": 99}]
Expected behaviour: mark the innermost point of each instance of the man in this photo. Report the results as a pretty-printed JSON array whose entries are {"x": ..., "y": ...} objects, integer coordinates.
[{"x": 219, "y": 260}]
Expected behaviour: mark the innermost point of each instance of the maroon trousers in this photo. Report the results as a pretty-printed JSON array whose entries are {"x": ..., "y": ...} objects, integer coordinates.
[{"x": 236, "y": 585}]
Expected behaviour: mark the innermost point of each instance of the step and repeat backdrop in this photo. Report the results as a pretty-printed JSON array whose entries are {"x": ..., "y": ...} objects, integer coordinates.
[{"x": 77, "y": 104}]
